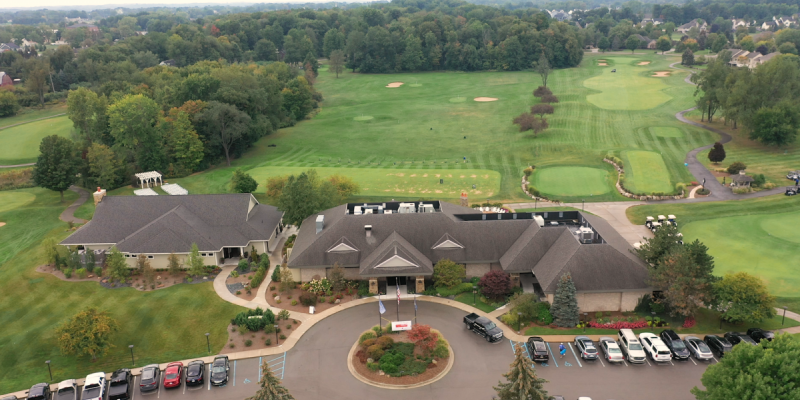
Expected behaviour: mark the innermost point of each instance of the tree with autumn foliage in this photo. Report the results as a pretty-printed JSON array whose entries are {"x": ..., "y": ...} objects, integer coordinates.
[
  {"x": 87, "y": 333},
  {"x": 495, "y": 284},
  {"x": 521, "y": 381},
  {"x": 685, "y": 276},
  {"x": 423, "y": 337}
]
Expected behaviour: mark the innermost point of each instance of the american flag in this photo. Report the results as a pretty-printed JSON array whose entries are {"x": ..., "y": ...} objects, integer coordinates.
[{"x": 398, "y": 294}]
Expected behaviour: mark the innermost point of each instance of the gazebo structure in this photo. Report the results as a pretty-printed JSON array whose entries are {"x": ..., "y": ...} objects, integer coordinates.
[
  {"x": 741, "y": 180},
  {"x": 145, "y": 178}
]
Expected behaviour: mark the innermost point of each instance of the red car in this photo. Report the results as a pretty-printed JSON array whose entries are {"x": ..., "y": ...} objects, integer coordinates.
[{"x": 173, "y": 375}]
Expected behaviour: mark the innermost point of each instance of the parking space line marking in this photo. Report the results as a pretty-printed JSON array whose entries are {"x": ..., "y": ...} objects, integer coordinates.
[
  {"x": 275, "y": 359},
  {"x": 234, "y": 372},
  {"x": 159, "y": 389},
  {"x": 601, "y": 361},
  {"x": 715, "y": 358},
  {"x": 573, "y": 353},
  {"x": 648, "y": 361},
  {"x": 552, "y": 354},
  {"x": 670, "y": 361},
  {"x": 690, "y": 358},
  {"x": 625, "y": 362},
  {"x": 258, "y": 370},
  {"x": 134, "y": 387},
  {"x": 184, "y": 385},
  {"x": 284, "y": 365}
]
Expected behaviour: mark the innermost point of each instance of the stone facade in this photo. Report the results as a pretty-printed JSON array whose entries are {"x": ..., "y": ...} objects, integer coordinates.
[
  {"x": 307, "y": 274},
  {"x": 420, "y": 287}
]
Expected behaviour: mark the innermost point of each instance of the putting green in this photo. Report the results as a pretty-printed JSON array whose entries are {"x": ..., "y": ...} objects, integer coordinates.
[
  {"x": 664, "y": 131},
  {"x": 645, "y": 172},
  {"x": 763, "y": 245},
  {"x": 571, "y": 181},
  {"x": 20, "y": 144},
  {"x": 458, "y": 99},
  {"x": 415, "y": 85},
  {"x": 11, "y": 200},
  {"x": 402, "y": 182},
  {"x": 625, "y": 89},
  {"x": 363, "y": 118}
]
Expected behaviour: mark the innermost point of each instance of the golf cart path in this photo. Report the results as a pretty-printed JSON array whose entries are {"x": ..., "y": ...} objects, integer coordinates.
[
  {"x": 18, "y": 165},
  {"x": 69, "y": 214}
]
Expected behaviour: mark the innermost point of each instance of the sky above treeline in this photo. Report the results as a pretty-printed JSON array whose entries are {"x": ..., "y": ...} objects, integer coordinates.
[{"x": 132, "y": 4}]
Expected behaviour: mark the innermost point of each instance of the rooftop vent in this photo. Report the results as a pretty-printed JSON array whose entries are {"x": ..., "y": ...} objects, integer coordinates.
[
  {"x": 368, "y": 230},
  {"x": 406, "y": 208},
  {"x": 585, "y": 235},
  {"x": 320, "y": 223}
]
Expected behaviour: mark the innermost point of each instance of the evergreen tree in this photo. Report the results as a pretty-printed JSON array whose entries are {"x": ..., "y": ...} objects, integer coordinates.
[
  {"x": 196, "y": 265},
  {"x": 270, "y": 386},
  {"x": 57, "y": 166},
  {"x": 565, "y": 304},
  {"x": 522, "y": 382}
]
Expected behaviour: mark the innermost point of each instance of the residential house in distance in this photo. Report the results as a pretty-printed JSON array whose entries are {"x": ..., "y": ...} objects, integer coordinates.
[
  {"x": 654, "y": 21},
  {"x": 739, "y": 58},
  {"x": 770, "y": 25},
  {"x": 701, "y": 26},
  {"x": 559, "y": 15},
  {"x": 397, "y": 244},
  {"x": 5, "y": 80},
  {"x": 651, "y": 45},
  {"x": 740, "y": 22},
  {"x": 223, "y": 226},
  {"x": 760, "y": 59},
  {"x": 90, "y": 27},
  {"x": 10, "y": 46}
]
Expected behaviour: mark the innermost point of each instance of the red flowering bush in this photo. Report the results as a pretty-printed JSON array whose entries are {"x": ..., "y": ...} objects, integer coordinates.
[
  {"x": 422, "y": 336},
  {"x": 495, "y": 284},
  {"x": 619, "y": 325},
  {"x": 689, "y": 322}
]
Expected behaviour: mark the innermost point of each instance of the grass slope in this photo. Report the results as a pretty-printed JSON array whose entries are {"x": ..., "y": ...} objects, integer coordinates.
[
  {"x": 30, "y": 114},
  {"x": 20, "y": 144},
  {"x": 756, "y": 236},
  {"x": 571, "y": 181},
  {"x": 418, "y": 123},
  {"x": 34, "y": 305},
  {"x": 626, "y": 89},
  {"x": 645, "y": 172}
]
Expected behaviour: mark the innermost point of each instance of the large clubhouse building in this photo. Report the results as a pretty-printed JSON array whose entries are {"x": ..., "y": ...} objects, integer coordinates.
[
  {"x": 222, "y": 225},
  {"x": 399, "y": 243}
]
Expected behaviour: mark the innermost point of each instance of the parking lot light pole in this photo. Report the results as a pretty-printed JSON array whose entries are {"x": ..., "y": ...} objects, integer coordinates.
[
  {"x": 208, "y": 343},
  {"x": 583, "y": 205},
  {"x": 133, "y": 361},
  {"x": 474, "y": 292},
  {"x": 784, "y": 315},
  {"x": 49, "y": 370},
  {"x": 276, "y": 334}
]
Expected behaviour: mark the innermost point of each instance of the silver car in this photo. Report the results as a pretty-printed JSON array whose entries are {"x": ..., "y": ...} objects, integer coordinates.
[
  {"x": 698, "y": 348},
  {"x": 611, "y": 349},
  {"x": 67, "y": 390}
]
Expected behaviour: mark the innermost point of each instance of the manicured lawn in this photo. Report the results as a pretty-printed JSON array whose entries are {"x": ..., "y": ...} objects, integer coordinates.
[
  {"x": 757, "y": 236},
  {"x": 30, "y": 114},
  {"x": 20, "y": 144},
  {"x": 466, "y": 298},
  {"x": 629, "y": 88},
  {"x": 571, "y": 181},
  {"x": 645, "y": 172},
  {"x": 163, "y": 325},
  {"x": 793, "y": 303},
  {"x": 665, "y": 131},
  {"x": 10, "y": 200},
  {"x": 402, "y": 182},
  {"x": 417, "y": 124}
]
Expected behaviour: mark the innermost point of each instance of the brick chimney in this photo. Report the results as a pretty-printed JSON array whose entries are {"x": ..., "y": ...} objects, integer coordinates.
[{"x": 98, "y": 195}]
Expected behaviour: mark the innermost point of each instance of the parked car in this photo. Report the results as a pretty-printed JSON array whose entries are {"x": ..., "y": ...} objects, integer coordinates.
[
  {"x": 718, "y": 345},
  {"x": 219, "y": 371},
  {"x": 67, "y": 390},
  {"x": 698, "y": 348},
  {"x": 151, "y": 376},
  {"x": 173, "y": 375},
  {"x": 484, "y": 327},
  {"x": 195, "y": 372},
  {"x": 11, "y": 397},
  {"x": 94, "y": 387},
  {"x": 537, "y": 348},
  {"x": 738, "y": 337},
  {"x": 39, "y": 391},
  {"x": 759, "y": 334},
  {"x": 654, "y": 347},
  {"x": 557, "y": 397},
  {"x": 675, "y": 344},
  {"x": 121, "y": 385},
  {"x": 586, "y": 347},
  {"x": 631, "y": 346},
  {"x": 611, "y": 349}
]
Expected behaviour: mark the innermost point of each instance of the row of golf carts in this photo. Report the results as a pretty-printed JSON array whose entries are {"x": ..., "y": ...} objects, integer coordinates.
[
  {"x": 653, "y": 225},
  {"x": 794, "y": 176}
]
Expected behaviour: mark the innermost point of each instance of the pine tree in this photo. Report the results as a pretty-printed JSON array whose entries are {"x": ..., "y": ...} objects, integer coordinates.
[
  {"x": 565, "y": 304},
  {"x": 271, "y": 388},
  {"x": 523, "y": 384}
]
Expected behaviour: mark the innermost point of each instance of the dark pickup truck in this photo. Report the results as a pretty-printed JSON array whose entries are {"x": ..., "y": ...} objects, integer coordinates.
[{"x": 484, "y": 327}]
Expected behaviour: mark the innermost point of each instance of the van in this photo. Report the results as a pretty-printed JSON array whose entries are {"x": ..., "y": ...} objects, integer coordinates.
[{"x": 631, "y": 347}]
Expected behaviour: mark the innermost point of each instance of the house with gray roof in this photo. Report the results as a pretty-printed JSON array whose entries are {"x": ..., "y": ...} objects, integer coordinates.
[
  {"x": 396, "y": 243},
  {"x": 223, "y": 226}
]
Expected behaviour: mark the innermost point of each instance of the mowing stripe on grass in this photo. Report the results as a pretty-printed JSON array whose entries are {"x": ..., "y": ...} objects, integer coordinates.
[{"x": 645, "y": 172}]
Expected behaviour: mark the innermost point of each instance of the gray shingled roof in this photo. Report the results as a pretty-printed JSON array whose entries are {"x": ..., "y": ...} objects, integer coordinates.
[
  {"x": 395, "y": 248},
  {"x": 518, "y": 245},
  {"x": 165, "y": 224}
]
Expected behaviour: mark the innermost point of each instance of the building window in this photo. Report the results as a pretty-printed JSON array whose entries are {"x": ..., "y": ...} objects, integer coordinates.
[{"x": 149, "y": 256}]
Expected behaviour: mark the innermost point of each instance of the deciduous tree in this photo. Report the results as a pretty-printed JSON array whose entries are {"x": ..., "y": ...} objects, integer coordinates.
[
  {"x": 687, "y": 58},
  {"x": 184, "y": 146},
  {"x": 174, "y": 264},
  {"x": 422, "y": 336},
  {"x": 541, "y": 91},
  {"x": 603, "y": 44},
  {"x": 196, "y": 264},
  {"x": 632, "y": 43},
  {"x": 287, "y": 279},
  {"x": 306, "y": 194},
  {"x": 270, "y": 387},
  {"x": 744, "y": 298},
  {"x": 776, "y": 125},
  {"x": 226, "y": 123},
  {"x": 664, "y": 44},
  {"x": 8, "y": 103},
  {"x": 103, "y": 166},
  {"x": 447, "y": 273},
  {"x": 57, "y": 165},
  {"x": 242, "y": 182},
  {"x": 344, "y": 185},
  {"x": 717, "y": 153},
  {"x": 521, "y": 380},
  {"x": 117, "y": 267},
  {"x": 336, "y": 62},
  {"x": 495, "y": 284},
  {"x": 549, "y": 99},
  {"x": 87, "y": 111},
  {"x": 134, "y": 124},
  {"x": 87, "y": 333},
  {"x": 338, "y": 282},
  {"x": 565, "y": 303},
  {"x": 525, "y": 121},
  {"x": 37, "y": 72},
  {"x": 542, "y": 67},
  {"x": 685, "y": 277},
  {"x": 542, "y": 109}
]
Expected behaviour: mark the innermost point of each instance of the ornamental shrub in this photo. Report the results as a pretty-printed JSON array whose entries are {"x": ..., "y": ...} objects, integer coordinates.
[
  {"x": 374, "y": 367},
  {"x": 448, "y": 274},
  {"x": 375, "y": 352},
  {"x": 68, "y": 273},
  {"x": 308, "y": 299},
  {"x": 441, "y": 350},
  {"x": 258, "y": 277},
  {"x": 735, "y": 167},
  {"x": 294, "y": 302},
  {"x": 248, "y": 343},
  {"x": 276, "y": 276},
  {"x": 365, "y": 336},
  {"x": 423, "y": 337},
  {"x": 369, "y": 342},
  {"x": 495, "y": 284},
  {"x": 283, "y": 337},
  {"x": 319, "y": 286},
  {"x": 385, "y": 342},
  {"x": 81, "y": 273},
  {"x": 268, "y": 342},
  {"x": 284, "y": 314}
]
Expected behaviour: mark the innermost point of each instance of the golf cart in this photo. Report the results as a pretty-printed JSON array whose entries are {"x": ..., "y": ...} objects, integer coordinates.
[
  {"x": 680, "y": 238},
  {"x": 614, "y": 70},
  {"x": 791, "y": 191},
  {"x": 793, "y": 175},
  {"x": 649, "y": 223},
  {"x": 671, "y": 218},
  {"x": 654, "y": 226},
  {"x": 662, "y": 220}
]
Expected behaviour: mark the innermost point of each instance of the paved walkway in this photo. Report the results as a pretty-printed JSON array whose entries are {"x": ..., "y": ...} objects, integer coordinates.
[
  {"x": 33, "y": 120},
  {"x": 18, "y": 165},
  {"x": 68, "y": 215}
]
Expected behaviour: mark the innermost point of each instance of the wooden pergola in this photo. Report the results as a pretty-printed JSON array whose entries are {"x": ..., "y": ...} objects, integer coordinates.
[{"x": 145, "y": 178}]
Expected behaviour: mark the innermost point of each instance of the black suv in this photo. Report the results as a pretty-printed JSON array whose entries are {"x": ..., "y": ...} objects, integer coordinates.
[
  {"x": 675, "y": 344},
  {"x": 121, "y": 385},
  {"x": 39, "y": 391},
  {"x": 537, "y": 349},
  {"x": 759, "y": 334},
  {"x": 737, "y": 337},
  {"x": 718, "y": 345},
  {"x": 219, "y": 371}
]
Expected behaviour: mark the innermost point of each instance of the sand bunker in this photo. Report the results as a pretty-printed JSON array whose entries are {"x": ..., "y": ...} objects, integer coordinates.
[
  {"x": 485, "y": 99},
  {"x": 643, "y": 63},
  {"x": 2, "y": 224},
  {"x": 602, "y": 64},
  {"x": 661, "y": 74},
  {"x": 601, "y": 60},
  {"x": 395, "y": 84}
]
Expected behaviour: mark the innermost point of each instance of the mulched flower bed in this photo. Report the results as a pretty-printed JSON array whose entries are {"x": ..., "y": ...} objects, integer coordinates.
[
  {"x": 432, "y": 370},
  {"x": 286, "y": 302},
  {"x": 258, "y": 339}
]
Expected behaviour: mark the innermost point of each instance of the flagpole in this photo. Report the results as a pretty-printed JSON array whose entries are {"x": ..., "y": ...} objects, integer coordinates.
[
  {"x": 379, "y": 314},
  {"x": 397, "y": 284},
  {"x": 415, "y": 309}
]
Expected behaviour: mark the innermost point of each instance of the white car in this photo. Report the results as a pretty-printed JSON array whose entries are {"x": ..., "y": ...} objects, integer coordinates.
[
  {"x": 611, "y": 349},
  {"x": 654, "y": 347},
  {"x": 94, "y": 388},
  {"x": 67, "y": 390}
]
